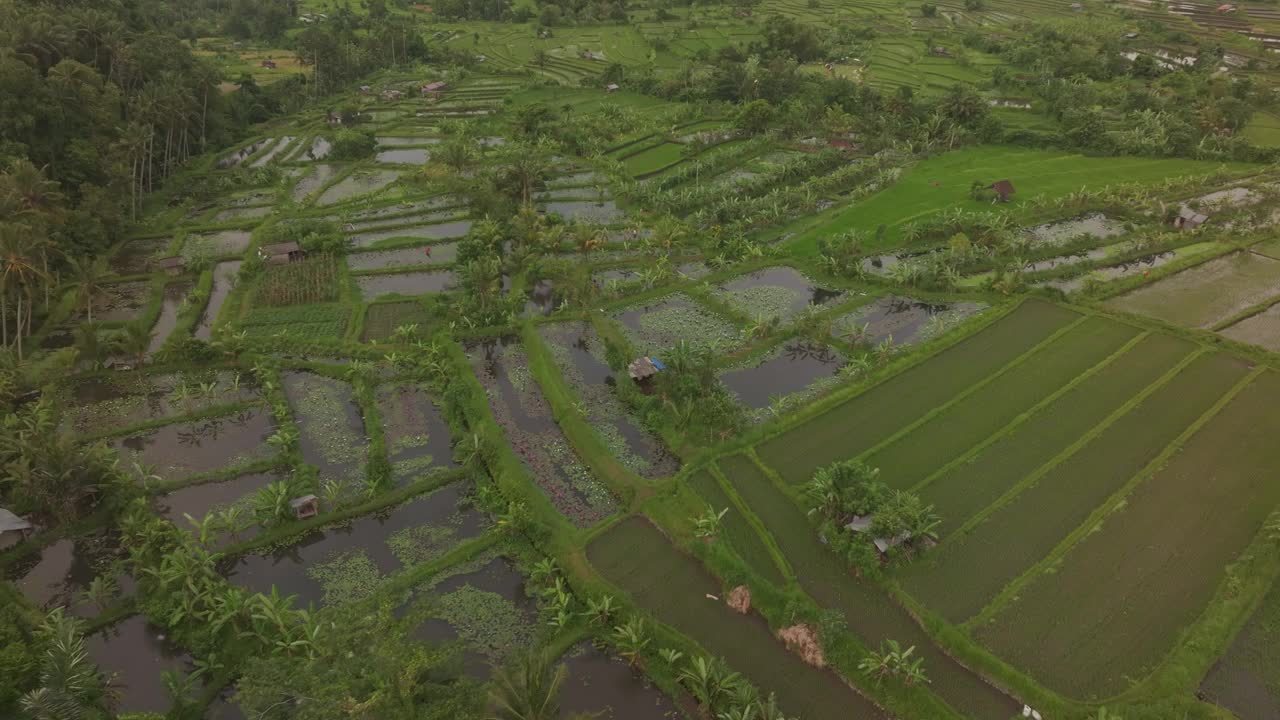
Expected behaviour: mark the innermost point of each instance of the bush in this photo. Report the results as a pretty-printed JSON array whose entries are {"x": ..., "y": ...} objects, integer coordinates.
[
  {"x": 352, "y": 145},
  {"x": 928, "y": 10}
]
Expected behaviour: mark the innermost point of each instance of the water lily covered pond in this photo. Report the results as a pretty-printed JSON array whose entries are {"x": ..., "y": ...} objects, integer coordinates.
[
  {"x": 580, "y": 355},
  {"x": 331, "y": 425},
  {"x": 904, "y": 320},
  {"x": 524, "y": 414},
  {"x": 107, "y": 403},
  {"x": 417, "y": 437},
  {"x": 775, "y": 293},
  {"x": 348, "y": 562},
  {"x": 662, "y": 323}
]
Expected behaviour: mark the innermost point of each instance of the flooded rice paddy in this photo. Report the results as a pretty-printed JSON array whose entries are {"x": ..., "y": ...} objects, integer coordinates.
[
  {"x": 404, "y": 156},
  {"x": 664, "y": 322},
  {"x": 137, "y": 256},
  {"x": 1094, "y": 225},
  {"x": 360, "y": 182},
  {"x": 1208, "y": 293},
  {"x": 778, "y": 293},
  {"x": 331, "y": 425},
  {"x": 134, "y": 654},
  {"x": 525, "y": 415},
  {"x": 175, "y": 294},
  {"x": 58, "y": 574},
  {"x": 598, "y": 212},
  {"x": 203, "y": 498},
  {"x": 1262, "y": 329},
  {"x": 904, "y": 320},
  {"x": 403, "y": 257},
  {"x": 224, "y": 280},
  {"x": 346, "y": 563},
  {"x": 271, "y": 154},
  {"x": 318, "y": 150},
  {"x": 607, "y": 688},
  {"x": 417, "y": 437},
  {"x": 580, "y": 355},
  {"x": 319, "y": 176},
  {"x": 419, "y": 283},
  {"x": 181, "y": 450},
  {"x": 792, "y": 368},
  {"x": 110, "y": 402},
  {"x": 120, "y": 302},
  {"x": 444, "y": 230}
]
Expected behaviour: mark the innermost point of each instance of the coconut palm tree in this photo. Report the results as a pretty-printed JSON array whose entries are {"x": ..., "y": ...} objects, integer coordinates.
[
  {"x": 529, "y": 689},
  {"x": 86, "y": 276},
  {"x": 70, "y": 686},
  {"x": 134, "y": 342}
]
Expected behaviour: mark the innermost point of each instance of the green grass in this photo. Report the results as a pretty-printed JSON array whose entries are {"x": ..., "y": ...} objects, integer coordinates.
[
  {"x": 1117, "y": 603},
  {"x": 673, "y": 587},
  {"x": 857, "y": 425},
  {"x": 964, "y": 574},
  {"x": 869, "y": 612},
  {"x": 736, "y": 530},
  {"x": 911, "y": 458},
  {"x": 653, "y": 159},
  {"x": 1045, "y": 173},
  {"x": 963, "y": 490},
  {"x": 382, "y": 319},
  {"x": 1263, "y": 129}
]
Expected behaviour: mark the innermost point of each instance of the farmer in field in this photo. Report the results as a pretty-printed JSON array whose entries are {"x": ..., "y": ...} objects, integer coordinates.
[{"x": 427, "y": 250}]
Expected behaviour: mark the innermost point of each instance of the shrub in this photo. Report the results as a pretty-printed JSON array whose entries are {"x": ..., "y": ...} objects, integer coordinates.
[{"x": 352, "y": 145}]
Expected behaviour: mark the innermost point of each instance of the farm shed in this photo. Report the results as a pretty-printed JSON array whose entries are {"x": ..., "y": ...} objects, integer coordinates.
[
  {"x": 611, "y": 87},
  {"x": 433, "y": 89},
  {"x": 642, "y": 369},
  {"x": 13, "y": 529},
  {"x": 305, "y": 507},
  {"x": 288, "y": 251},
  {"x": 1003, "y": 189},
  {"x": 269, "y": 64}
]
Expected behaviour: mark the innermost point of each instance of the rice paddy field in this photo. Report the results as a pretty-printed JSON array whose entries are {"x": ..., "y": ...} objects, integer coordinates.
[{"x": 485, "y": 429}]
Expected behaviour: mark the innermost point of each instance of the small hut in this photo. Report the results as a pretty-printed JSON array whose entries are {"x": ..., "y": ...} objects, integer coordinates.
[
  {"x": 1226, "y": 9},
  {"x": 282, "y": 252},
  {"x": 307, "y": 506},
  {"x": 1003, "y": 189},
  {"x": 365, "y": 89},
  {"x": 611, "y": 87},
  {"x": 172, "y": 265},
  {"x": 939, "y": 51},
  {"x": 643, "y": 369},
  {"x": 269, "y": 64},
  {"x": 433, "y": 89},
  {"x": 392, "y": 95},
  {"x": 13, "y": 529}
]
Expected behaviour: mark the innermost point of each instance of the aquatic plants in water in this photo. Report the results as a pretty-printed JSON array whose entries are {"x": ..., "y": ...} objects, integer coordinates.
[{"x": 346, "y": 577}]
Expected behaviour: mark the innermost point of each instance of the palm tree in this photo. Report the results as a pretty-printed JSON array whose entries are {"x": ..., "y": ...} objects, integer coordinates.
[
  {"x": 86, "y": 278},
  {"x": 18, "y": 275},
  {"x": 529, "y": 689},
  {"x": 135, "y": 342},
  {"x": 70, "y": 686}
]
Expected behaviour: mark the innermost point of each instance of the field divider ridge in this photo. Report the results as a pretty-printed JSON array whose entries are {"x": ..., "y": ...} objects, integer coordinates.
[
  {"x": 1013, "y": 492},
  {"x": 963, "y": 394},
  {"x": 757, "y": 525},
  {"x": 1112, "y": 504},
  {"x": 1030, "y": 412}
]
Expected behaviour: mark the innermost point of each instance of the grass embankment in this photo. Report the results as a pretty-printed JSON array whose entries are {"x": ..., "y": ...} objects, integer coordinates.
[
  {"x": 943, "y": 182},
  {"x": 872, "y": 417},
  {"x": 870, "y": 613},
  {"x": 912, "y": 457},
  {"x": 1043, "y": 508},
  {"x": 1118, "y": 602},
  {"x": 972, "y": 481},
  {"x": 736, "y": 529},
  {"x": 673, "y": 586}
]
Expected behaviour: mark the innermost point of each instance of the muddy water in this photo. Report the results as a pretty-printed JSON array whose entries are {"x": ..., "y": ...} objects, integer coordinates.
[
  {"x": 607, "y": 688},
  {"x": 1207, "y": 293},
  {"x": 903, "y": 319},
  {"x": 58, "y": 574},
  {"x": 438, "y": 230},
  {"x": 120, "y": 302},
  {"x": 286, "y": 568},
  {"x": 403, "y": 257},
  {"x": 601, "y": 212},
  {"x": 796, "y": 367},
  {"x": 320, "y": 175},
  {"x": 417, "y": 436},
  {"x": 579, "y": 354},
  {"x": 331, "y": 424},
  {"x": 134, "y": 654},
  {"x": 1062, "y": 261},
  {"x": 1262, "y": 329},
  {"x": 177, "y": 451},
  {"x": 224, "y": 279},
  {"x": 373, "y": 286},
  {"x": 199, "y": 500},
  {"x": 570, "y": 193},
  {"x": 136, "y": 256},
  {"x": 621, "y": 277},
  {"x": 174, "y": 294},
  {"x": 882, "y": 265},
  {"x": 111, "y": 402},
  {"x": 404, "y": 156},
  {"x": 541, "y": 299}
]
